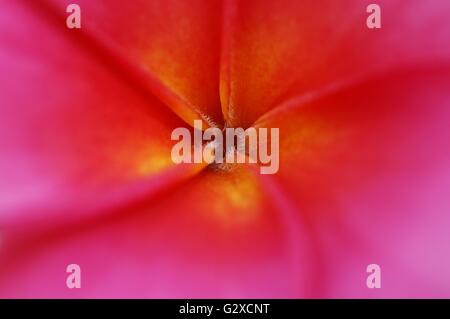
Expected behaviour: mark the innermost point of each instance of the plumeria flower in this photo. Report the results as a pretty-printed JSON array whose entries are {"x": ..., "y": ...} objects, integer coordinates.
[{"x": 86, "y": 117}]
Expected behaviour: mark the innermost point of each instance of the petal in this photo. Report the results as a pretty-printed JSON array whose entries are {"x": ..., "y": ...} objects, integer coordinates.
[
  {"x": 218, "y": 235},
  {"x": 369, "y": 168},
  {"x": 75, "y": 134},
  {"x": 176, "y": 43},
  {"x": 275, "y": 50}
]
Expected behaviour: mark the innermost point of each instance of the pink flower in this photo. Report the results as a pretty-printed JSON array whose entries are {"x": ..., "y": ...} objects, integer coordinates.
[{"x": 86, "y": 174}]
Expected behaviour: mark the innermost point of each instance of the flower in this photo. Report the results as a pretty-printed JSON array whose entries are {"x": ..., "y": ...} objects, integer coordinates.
[{"x": 87, "y": 178}]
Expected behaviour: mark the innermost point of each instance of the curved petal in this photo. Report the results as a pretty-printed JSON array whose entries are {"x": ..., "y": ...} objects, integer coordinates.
[
  {"x": 215, "y": 236},
  {"x": 176, "y": 43},
  {"x": 369, "y": 168},
  {"x": 73, "y": 134},
  {"x": 275, "y": 50}
]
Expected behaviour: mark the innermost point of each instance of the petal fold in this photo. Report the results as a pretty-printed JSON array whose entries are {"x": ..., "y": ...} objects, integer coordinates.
[
  {"x": 218, "y": 235},
  {"x": 74, "y": 135},
  {"x": 277, "y": 50},
  {"x": 175, "y": 43},
  {"x": 369, "y": 168}
]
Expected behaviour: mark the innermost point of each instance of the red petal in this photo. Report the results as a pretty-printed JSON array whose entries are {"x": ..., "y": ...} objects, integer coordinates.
[
  {"x": 176, "y": 43},
  {"x": 274, "y": 50},
  {"x": 74, "y": 133}
]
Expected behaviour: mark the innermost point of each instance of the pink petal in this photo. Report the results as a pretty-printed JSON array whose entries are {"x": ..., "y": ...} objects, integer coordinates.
[
  {"x": 218, "y": 235},
  {"x": 369, "y": 167},
  {"x": 76, "y": 134}
]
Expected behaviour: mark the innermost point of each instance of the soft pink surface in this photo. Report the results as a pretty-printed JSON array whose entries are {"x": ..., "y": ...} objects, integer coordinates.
[{"x": 86, "y": 174}]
